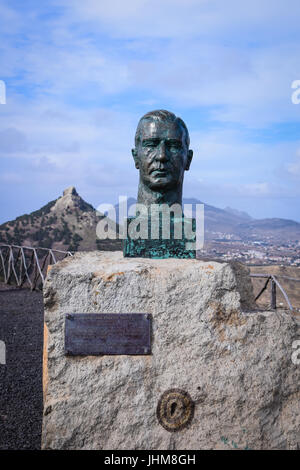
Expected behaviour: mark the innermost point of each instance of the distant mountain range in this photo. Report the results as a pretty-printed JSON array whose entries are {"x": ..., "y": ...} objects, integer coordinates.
[
  {"x": 240, "y": 225},
  {"x": 69, "y": 223}
]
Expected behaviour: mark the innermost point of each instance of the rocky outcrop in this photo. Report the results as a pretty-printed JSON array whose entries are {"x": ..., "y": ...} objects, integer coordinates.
[
  {"x": 71, "y": 201},
  {"x": 68, "y": 223},
  {"x": 233, "y": 362}
]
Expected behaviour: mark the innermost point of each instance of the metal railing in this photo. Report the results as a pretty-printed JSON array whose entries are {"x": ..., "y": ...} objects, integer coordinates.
[
  {"x": 274, "y": 283},
  {"x": 26, "y": 266}
]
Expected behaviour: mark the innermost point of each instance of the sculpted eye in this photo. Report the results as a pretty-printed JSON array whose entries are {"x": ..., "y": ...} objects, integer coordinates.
[
  {"x": 175, "y": 145},
  {"x": 150, "y": 143}
]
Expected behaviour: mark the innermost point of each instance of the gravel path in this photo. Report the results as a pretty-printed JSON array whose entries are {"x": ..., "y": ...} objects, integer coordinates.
[{"x": 21, "y": 401}]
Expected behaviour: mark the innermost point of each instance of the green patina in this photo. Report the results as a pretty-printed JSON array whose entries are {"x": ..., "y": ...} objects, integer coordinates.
[
  {"x": 233, "y": 444},
  {"x": 161, "y": 248},
  {"x": 162, "y": 156}
]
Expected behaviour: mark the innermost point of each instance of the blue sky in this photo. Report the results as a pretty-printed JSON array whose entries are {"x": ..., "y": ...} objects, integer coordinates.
[{"x": 79, "y": 75}]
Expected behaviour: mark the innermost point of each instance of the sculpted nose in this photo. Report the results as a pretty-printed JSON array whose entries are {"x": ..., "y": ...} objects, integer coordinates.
[{"x": 161, "y": 154}]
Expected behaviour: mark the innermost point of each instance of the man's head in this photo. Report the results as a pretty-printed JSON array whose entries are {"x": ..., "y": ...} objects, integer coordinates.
[{"x": 161, "y": 152}]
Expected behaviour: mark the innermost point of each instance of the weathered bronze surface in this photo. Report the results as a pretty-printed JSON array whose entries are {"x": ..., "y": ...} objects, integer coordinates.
[
  {"x": 161, "y": 155},
  {"x": 107, "y": 333},
  {"x": 160, "y": 248},
  {"x": 175, "y": 410}
]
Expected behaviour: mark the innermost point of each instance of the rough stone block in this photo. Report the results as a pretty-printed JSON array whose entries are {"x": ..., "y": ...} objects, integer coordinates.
[{"x": 233, "y": 365}]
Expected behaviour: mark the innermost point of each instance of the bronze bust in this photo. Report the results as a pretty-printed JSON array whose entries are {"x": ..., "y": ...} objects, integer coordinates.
[{"x": 161, "y": 155}]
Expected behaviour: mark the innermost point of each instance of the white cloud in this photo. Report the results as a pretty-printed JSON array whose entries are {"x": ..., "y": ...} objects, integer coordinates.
[
  {"x": 78, "y": 80},
  {"x": 199, "y": 55},
  {"x": 12, "y": 141},
  {"x": 256, "y": 189},
  {"x": 174, "y": 18},
  {"x": 294, "y": 167}
]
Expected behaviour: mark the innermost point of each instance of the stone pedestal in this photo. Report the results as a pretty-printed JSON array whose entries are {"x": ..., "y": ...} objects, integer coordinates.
[{"x": 234, "y": 363}]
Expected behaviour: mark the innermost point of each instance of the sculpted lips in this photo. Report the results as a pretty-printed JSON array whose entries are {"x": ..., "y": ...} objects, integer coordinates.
[{"x": 159, "y": 171}]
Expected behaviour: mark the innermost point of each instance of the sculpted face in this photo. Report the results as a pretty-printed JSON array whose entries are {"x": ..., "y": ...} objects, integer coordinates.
[{"x": 162, "y": 155}]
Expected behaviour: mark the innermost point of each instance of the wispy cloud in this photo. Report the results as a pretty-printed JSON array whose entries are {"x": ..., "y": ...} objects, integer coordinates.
[
  {"x": 294, "y": 167},
  {"x": 80, "y": 74}
]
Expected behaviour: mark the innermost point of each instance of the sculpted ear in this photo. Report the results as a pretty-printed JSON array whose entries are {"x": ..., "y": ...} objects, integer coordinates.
[
  {"x": 189, "y": 159},
  {"x": 135, "y": 157}
]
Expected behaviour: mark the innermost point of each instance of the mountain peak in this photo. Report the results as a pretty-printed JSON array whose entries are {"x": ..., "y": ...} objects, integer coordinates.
[
  {"x": 70, "y": 200},
  {"x": 67, "y": 223},
  {"x": 71, "y": 190}
]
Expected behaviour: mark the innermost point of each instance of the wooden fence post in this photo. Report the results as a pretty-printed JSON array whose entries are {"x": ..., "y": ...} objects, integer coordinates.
[{"x": 273, "y": 295}]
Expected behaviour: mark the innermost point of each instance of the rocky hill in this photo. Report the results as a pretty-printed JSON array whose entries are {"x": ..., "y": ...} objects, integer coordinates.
[{"x": 67, "y": 223}]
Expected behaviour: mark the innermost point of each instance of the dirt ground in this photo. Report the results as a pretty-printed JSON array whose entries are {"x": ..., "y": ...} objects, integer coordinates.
[{"x": 21, "y": 328}]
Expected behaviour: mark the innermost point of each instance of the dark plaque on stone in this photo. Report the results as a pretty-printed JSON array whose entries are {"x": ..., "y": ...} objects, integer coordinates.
[{"x": 94, "y": 334}]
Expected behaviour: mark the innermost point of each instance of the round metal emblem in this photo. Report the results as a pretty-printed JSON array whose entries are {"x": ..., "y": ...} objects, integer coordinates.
[{"x": 175, "y": 409}]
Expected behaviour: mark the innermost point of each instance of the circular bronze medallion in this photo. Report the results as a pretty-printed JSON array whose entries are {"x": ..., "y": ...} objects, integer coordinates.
[{"x": 175, "y": 409}]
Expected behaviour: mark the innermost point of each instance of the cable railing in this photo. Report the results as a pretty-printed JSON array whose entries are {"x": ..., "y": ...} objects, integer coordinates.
[
  {"x": 26, "y": 266},
  {"x": 274, "y": 284}
]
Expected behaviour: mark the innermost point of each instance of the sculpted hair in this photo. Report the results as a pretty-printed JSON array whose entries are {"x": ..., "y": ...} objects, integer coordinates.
[{"x": 165, "y": 116}]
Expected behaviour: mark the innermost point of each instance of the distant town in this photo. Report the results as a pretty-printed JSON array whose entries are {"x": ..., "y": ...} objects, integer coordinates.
[{"x": 252, "y": 251}]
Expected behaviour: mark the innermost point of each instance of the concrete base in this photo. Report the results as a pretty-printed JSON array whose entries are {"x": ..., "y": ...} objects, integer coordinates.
[{"x": 235, "y": 364}]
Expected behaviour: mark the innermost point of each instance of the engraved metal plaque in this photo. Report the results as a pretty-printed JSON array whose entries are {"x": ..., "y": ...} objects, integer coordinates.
[{"x": 94, "y": 334}]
